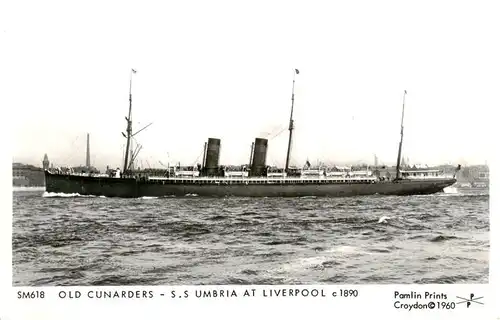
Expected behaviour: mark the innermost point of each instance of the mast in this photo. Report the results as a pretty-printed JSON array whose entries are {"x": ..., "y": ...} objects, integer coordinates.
[
  {"x": 251, "y": 155},
  {"x": 204, "y": 156},
  {"x": 290, "y": 126},
  {"x": 87, "y": 160},
  {"x": 131, "y": 161},
  {"x": 398, "y": 163},
  {"x": 129, "y": 124}
]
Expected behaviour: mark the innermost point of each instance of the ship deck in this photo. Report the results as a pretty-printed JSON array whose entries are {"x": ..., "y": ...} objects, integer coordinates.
[{"x": 258, "y": 180}]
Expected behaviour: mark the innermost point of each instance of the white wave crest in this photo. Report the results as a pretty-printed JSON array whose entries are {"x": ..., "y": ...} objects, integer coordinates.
[
  {"x": 451, "y": 190},
  {"x": 383, "y": 219},
  {"x": 148, "y": 198},
  {"x": 191, "y": 195},
  {"x": 303, "y": 263},
  {"x": 60, "y": 195},
  {"x": 332, "y": 254},
  {"x": 344, "y": 249},
  {"x": 66, "y": 195}
]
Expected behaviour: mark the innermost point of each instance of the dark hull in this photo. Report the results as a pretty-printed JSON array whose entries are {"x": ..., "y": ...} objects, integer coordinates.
[{"x": 132, "y": 188}]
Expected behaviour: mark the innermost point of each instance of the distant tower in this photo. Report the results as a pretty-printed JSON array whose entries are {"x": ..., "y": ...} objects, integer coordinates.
[
  {"x": 45, "y": 162},
  {"x": 87, "y": 162}
]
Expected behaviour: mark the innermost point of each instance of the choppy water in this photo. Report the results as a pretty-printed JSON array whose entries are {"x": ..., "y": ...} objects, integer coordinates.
[{"x": 442, "y": 238}]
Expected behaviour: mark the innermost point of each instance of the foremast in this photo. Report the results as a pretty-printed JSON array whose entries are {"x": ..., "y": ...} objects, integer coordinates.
[
  {"x": 398, "y": 163},
  {"x": 129, "y": 124},
  {"x": 127, "y": 165},
  {"x": 290, "y": 126}
]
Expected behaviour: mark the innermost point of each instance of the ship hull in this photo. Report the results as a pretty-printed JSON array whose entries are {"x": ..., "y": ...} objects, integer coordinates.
[{"x": 135, "y": 188}]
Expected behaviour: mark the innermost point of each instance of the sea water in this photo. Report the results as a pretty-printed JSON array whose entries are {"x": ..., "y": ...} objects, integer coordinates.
[{"x": 73, "y": 240}]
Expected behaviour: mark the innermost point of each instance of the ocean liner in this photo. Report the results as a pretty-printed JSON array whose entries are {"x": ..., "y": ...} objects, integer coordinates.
[{"x": 255, "y": 180}]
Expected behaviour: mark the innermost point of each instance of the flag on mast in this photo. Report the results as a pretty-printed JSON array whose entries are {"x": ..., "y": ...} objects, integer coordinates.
[
  {"x": 134, "y": 71},
  {"x": 297, "y": 71},
  {"x": 405, "y": 92}
]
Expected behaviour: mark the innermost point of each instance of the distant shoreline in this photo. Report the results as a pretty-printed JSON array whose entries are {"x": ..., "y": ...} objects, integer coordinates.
[{"x": 20, "y": 189}]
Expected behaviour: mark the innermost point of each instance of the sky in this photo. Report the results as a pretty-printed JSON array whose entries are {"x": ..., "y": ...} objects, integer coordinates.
[{"x": 224, "y": 69}]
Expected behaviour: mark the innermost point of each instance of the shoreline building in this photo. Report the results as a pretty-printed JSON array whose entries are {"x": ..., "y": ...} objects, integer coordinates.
[{"x": 26, "y": 175}]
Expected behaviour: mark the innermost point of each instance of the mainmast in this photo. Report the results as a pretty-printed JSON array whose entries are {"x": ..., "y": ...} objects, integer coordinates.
[
  {"x": 290, "y": 126},
  {"x": 129, "y": 124},
  {"x": 398, "y": 163}
]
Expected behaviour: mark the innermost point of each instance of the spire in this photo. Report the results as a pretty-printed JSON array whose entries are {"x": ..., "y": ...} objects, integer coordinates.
[
  {"x": 87, "y": 162},
  {"x": 45, "y": 162}
]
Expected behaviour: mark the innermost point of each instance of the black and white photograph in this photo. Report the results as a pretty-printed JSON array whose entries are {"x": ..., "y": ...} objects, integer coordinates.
[{"x": 250, "y": 143}]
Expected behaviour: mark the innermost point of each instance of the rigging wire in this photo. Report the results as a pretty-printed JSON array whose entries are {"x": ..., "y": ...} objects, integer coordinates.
[
  {"x": 198, "y": 158},
  {"x": 72, "y": 154},
  {"x": 279, "y": 133}
]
